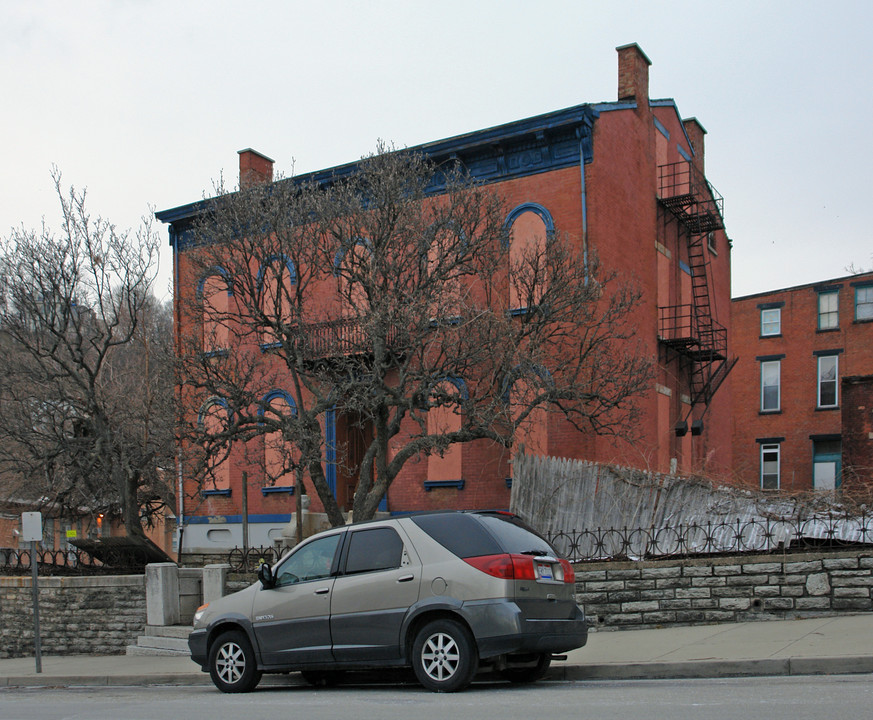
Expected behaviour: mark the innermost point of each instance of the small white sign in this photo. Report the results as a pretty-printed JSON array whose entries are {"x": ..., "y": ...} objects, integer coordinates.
[{"x": 31, "y": 526}]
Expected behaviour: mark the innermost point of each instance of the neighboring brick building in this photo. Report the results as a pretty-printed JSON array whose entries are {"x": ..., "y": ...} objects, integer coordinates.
[
  {"x": 625, "y": 178},
  {"x": 801, "y": 410}
]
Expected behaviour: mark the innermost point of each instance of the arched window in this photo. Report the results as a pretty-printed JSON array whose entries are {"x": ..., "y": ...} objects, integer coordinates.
[
  {"x": 213, "y": 420},
  {"x": 215, "y": 291},
  {"x": 280, "y": 456},
  {"x": 442, "y": 418},
  {"x": 529, "y": 226},
  {"x": 532, "y": 429},
  {"x": 352, "y": 267},
  {"x": 276, "y": 280}
]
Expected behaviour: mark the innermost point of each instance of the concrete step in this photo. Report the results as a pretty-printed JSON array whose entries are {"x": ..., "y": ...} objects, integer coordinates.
[
  {"x": 170, "y": 631},
  {"x": 162, "y": 640}
]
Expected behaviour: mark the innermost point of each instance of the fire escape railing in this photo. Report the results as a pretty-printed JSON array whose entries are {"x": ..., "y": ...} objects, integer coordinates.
[{"x": 690, "y": 330}]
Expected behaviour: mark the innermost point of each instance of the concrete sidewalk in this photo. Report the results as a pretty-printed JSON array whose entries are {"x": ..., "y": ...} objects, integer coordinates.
[{"x": 777, "y": 647}]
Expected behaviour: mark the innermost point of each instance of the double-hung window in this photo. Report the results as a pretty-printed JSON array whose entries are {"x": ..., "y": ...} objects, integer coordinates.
[
  {"x": 864, "y": 302},
  {"x": 828, "y": 381},
  {"x": 828, "y": 310},
  {"x": 771, "y": 370},
  {"x": 771, "y": 322},
  {"x": 769, "y": 466}
]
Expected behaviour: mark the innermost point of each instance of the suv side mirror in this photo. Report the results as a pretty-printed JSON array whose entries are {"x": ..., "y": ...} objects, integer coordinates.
[{"x": 265, "y": 575}]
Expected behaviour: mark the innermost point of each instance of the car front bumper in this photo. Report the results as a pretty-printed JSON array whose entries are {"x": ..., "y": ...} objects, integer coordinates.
[{"x": 197, "y": 646}]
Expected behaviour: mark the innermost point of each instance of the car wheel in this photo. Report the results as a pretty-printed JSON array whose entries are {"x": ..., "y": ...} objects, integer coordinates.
[
  {"x": 232, "y": 664},
  {"x": 444, "y": 656},
  {"x": 529, "y": 671}
]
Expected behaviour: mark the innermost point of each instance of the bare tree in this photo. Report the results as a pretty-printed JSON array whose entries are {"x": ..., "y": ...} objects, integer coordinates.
[
  {"x": 384, "y": 293},
  {"x": 86, "y": 396}
]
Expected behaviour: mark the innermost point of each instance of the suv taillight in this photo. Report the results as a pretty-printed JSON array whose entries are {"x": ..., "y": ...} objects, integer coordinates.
[
  {"x": 569, "y": 574},
  {"x": 505, "y": 567}
]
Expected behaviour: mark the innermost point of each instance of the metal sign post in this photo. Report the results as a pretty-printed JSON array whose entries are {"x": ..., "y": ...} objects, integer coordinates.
[{"x": 31, "y": 530}]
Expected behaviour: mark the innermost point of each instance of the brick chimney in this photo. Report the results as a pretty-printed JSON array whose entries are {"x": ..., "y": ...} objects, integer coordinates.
[
  {"x": 633, "y": 74},
  {"x": 254, "y": 168},
  {"x": 695, "y": 132}
]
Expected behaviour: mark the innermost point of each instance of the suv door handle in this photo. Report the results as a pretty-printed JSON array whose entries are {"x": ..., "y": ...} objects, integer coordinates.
[
  {"x": 322, "y": 591},
  {"x": 405, "y": 578}
]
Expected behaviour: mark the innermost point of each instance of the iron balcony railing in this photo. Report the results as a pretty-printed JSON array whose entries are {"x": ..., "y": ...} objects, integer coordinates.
[{"x": 695, "y": 202}]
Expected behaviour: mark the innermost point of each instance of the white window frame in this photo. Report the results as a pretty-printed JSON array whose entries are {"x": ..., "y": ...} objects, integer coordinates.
[
  {"x": 766, "y": 364},
  {"x": 867, "y": 303},
  {"x": 771, "y": 448},
  {"x": 832, "y": 314},
  {"x": 765, "y": 332},
  {"x": 835, "y": 381}
]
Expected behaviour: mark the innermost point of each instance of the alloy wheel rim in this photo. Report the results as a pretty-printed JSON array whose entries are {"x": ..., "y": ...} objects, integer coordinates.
[
  {"x": 440, "y": 657},
  {"x": 230, "y": 663}
]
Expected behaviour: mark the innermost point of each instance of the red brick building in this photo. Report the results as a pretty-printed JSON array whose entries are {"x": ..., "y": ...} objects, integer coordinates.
[
  {"x": 801, "y": 401},
  {"x": 625, "y": 178}
]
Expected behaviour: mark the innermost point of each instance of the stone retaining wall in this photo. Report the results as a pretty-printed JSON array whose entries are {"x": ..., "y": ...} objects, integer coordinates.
[
  {"x": 77, "y": 615},
  {"x": 724, "y": 589}
]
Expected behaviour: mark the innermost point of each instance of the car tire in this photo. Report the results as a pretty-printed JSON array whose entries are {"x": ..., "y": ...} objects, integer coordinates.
[
  {"x": 529, "y": 672},
  {"x": 444, "y": 656},
  {"x": 232, "y": 664}
]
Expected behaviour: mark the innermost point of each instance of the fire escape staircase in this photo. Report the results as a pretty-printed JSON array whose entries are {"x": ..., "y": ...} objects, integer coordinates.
[{"x": 691, "y": 330}]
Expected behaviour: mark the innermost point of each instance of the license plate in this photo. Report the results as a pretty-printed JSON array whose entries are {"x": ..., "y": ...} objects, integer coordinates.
[{"x": 544, "y": 571}]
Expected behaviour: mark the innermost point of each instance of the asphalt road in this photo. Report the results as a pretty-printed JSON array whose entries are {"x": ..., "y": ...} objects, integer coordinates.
[{"x": 788, "y": 698}]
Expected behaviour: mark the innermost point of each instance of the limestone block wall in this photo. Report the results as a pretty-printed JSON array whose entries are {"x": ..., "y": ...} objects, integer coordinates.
[
  {"x": 78, "y": 615},
  {"x": 724, "y": 589}
]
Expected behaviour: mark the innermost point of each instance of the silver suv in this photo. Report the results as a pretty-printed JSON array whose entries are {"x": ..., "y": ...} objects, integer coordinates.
[{"x": 443, "y": 592}]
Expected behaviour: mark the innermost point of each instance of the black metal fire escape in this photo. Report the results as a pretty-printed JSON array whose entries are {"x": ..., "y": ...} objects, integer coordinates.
[{"x": 690, "y": 330}]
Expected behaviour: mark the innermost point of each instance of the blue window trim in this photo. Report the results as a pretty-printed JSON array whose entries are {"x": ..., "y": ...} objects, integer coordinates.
[
  {"x": 208, "y": 403},
  {"x": 341, "y": 253},
  {"x": 278, "y": 257},
  {"x": 274, "y": 489},
  {"x": 275, "y": 394},
  {"x": 435, "y": 484},
  {"x": 769, "y": 358},
  {"x": 771, "y": 305},
  {"x": 509, "y": 483},
  {"x": 214, "y": 271},
  {"x": 222, "y": 493},
  {"x": 826, "y": 353},
  {"x": 770, "y": 440},
  {"x": 527, "y": 207}
]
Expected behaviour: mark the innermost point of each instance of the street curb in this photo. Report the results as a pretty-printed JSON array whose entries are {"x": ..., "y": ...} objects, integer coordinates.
[
  {"x": 712, "y": 669},
  {"x": 699, "y": 669}
]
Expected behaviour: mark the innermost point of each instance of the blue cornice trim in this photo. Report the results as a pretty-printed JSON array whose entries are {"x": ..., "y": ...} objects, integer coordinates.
[
  {"x": 685, "y": 267},
  {"x": 659, "y": 126},
  {"x": 433, "y": 484},
  {"x": 235, "y": 519},
  {"x": 543, "y": 143},
  {"x": 683, "y": 152}
]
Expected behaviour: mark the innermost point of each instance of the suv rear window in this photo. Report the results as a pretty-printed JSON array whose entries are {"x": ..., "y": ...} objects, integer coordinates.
[
  {"x": 516, "y": 537},
  {"x": 459, "y": 534},
  {"x": 474, "y": 535}
]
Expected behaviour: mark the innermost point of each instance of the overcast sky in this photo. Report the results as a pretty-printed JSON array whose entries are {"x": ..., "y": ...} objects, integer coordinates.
[{"x": 147, "y": 103}]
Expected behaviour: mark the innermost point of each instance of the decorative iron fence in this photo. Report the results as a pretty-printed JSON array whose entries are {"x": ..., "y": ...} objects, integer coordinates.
[
  {"x": 750, "y": 536},
  {"x": 248, "y": 561},
  {"x": 55, "y": 562}
]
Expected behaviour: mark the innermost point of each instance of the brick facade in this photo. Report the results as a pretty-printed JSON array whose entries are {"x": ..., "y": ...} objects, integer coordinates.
[
  {"x": 595, "y": 170},
  {"x": 805, "y": 423}
]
